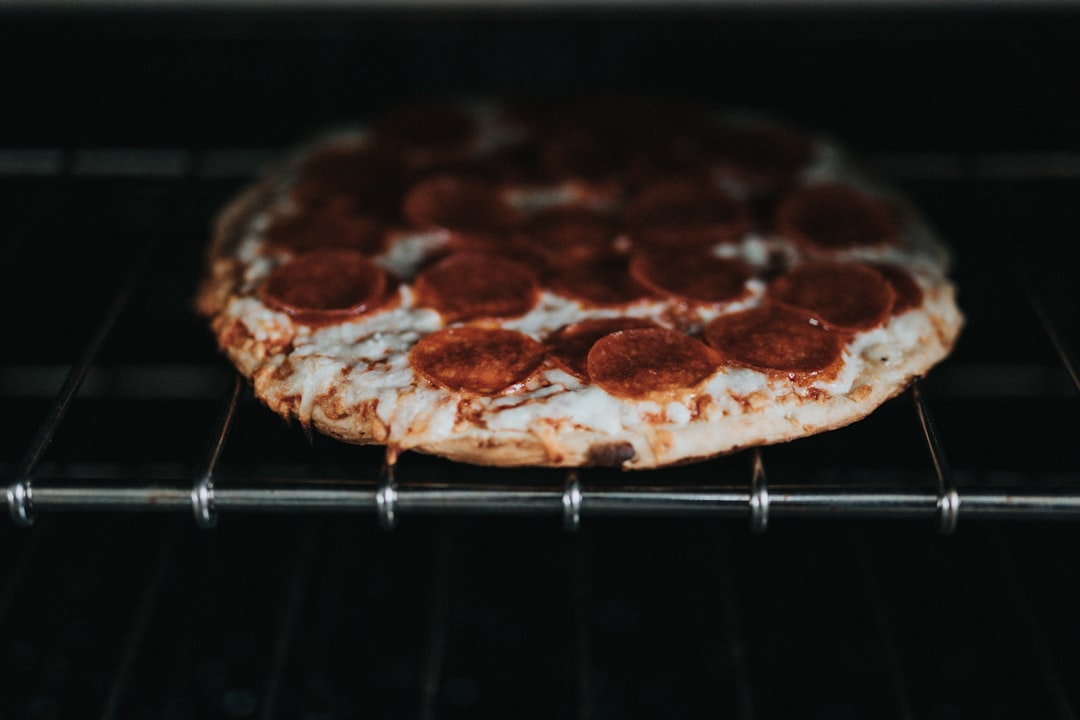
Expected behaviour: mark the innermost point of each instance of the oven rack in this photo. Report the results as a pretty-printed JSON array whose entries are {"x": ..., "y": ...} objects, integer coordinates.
[
  {"x": 381, "y": 493},
  {"x": 387, "y": 493}
]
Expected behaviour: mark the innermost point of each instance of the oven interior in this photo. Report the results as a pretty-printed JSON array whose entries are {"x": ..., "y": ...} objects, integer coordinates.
[{"x": 185, "y": 554}]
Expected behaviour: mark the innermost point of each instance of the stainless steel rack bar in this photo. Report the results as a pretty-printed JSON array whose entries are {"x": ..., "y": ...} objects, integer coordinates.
[
  {"x": 166, "y": 162},
  {"x": 20, "y": 492},
  {"x": 390, "y": 498},
  {"x": 202, "y": 492},
  {"x": 319, "y": 495},
  {"x": 948, "y": 498},
  {"x": 1054, "y": 335}
]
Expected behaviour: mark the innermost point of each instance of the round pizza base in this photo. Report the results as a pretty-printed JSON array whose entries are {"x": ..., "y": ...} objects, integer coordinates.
[{"x": 334, "y": 401}]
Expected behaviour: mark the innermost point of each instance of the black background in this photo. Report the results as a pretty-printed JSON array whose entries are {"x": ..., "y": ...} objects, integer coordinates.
[{"x": 995, "y": 77}]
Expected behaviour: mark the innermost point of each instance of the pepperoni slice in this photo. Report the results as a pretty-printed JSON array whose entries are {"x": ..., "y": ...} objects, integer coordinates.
[
  {"x": 620, "y": 140},
  {"x": 831, "y": 216},
  {"x": 324, "y": 286},
  {"x": 693, "y": 277},
  {"x": 358, "y": 178},
  {"x": 842, "y": 296},
  {"x": 570, "y": 234},
  {"x": 466, "y": 207},
  {"x": 332, "y": 225},
  {"x": 602, "y": 281},
  {"x": 569, "y": 346},
  {"x": 770, "y": 339},
  {"x": 463, "y": 286},
  {"x": 484, "y": 361},
  {"x": 686, "y": 212},
  {"x": 908, "y": 293},
  {"x": 639, "y": 363}
]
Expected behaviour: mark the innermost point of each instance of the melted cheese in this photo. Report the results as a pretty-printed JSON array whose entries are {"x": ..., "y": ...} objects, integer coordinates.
[{"x": 367, "y": 359}]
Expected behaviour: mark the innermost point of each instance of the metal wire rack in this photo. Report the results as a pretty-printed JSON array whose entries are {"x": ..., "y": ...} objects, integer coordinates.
[{"x": 733, "y": 488}]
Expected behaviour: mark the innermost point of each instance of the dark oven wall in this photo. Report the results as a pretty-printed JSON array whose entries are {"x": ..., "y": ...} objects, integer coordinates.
[
  {"x": 884, "y": 78},
  {"x": 123, "y": 130}
]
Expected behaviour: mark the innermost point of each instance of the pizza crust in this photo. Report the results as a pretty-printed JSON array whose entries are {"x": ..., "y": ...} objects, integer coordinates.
[{"x": 352, "y": 380}]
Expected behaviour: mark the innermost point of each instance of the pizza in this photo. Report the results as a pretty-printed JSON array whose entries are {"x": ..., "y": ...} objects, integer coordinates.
[{"x": 610, "y": 281}]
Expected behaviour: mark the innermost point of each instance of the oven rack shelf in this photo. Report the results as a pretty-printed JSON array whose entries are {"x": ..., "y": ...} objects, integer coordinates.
[
  {"x": 378, "y": 491},
  {"x": 573, "y": 501},
  {"x": 33, "y": 487}
]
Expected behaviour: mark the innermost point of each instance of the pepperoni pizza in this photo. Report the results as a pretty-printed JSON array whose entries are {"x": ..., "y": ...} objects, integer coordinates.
[{"x": 605, "y": 282}]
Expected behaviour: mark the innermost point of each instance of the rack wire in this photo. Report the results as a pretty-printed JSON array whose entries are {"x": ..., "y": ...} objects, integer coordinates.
[{"x": 389, "y": 494}]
